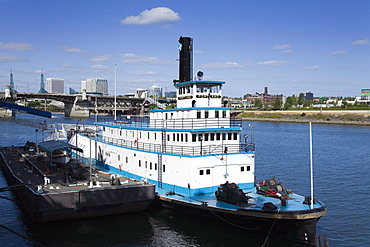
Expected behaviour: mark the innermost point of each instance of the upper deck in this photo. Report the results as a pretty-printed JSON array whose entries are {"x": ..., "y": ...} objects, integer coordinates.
[{"x": 180, "y": 124}]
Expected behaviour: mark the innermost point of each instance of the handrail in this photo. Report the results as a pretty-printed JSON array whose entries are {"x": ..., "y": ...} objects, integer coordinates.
[
  {"x": 180, "y": 149},
  {"x": 192, "y": 123}
]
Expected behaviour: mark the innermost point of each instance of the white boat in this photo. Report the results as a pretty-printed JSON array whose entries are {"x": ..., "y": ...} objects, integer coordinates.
[{"x": 200, "y": 163}]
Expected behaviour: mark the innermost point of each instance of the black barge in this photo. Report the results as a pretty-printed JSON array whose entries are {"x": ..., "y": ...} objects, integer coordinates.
[{"x": 49, "y": 193}]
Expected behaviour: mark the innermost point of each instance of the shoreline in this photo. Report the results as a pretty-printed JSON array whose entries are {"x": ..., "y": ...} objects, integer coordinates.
[{"x": 339, "y": 118}]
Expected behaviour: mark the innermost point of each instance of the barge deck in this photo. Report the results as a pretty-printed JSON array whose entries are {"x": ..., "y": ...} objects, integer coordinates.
[{"x": 47, "y": 195}]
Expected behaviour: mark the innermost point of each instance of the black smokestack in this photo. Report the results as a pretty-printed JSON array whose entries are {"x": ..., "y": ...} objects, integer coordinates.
[{"x": 186, "y": 59}]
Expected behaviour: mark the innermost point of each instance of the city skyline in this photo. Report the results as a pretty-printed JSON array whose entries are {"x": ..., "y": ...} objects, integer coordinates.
[{"x": 288, "y": 46}]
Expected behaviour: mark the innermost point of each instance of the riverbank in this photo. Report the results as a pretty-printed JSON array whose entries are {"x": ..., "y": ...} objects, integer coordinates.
[{"x": 332, "y": 117}]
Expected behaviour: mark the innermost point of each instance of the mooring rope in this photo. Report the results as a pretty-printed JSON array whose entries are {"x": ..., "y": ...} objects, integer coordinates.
[
  {"x": 272, "y": 226},
  {"x": 241, "y": 227},
  {"x": 20, "y": 235}
]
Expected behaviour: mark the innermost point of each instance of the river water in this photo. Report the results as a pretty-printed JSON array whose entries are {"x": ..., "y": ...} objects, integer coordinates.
[{"x": 341, "y": 161}]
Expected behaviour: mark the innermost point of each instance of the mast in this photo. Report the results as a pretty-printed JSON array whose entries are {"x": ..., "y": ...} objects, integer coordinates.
[
  {"x": 115, "y": 91},
  {"x": 311, "y": 166}
]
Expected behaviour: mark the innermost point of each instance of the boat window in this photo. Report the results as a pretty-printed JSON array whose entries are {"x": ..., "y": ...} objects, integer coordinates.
[
  {"x": 182, "y": 137},
  {"x": 199, "y": 114},
  {"x": 140, "y": 134},
  {"x": 235, "y": 136},
  {"x": 155, "y": 136},
  {"x": 120, "y": 132},
  {"x": 146, "y": 164},
  {"x": 208, "y": 171},
  {"x": 119, "y": 157},
  {"x": 164, "y": 168},
  {"x": 223, "y": 136},
  {"x": 218, "y": 136},
  {"x": 212, "y": 136},
  {"x": 200, "y": 137},
  {"x": 206, "y": 136},
  {"x": 201, "y": 172},
  {"x": 168, "y": 137},
  {"x": 194, "y": 137},
  {"x": 178, "y": 137},
  {"x": 248, "y": 168},
  {"x": 139, "y": 163},
  {"x": 206, "y": 113},
  {"x": 173, "y": 137},
  {"x": 126, "y": 159},
  {"x": 229, "y": 135},
  {"x": 216, "y": 114},
  {"x": 103, "y": 128},
  {"x": 150, "y": 166},
  {"x": 166, "y": 116},
  {"x": 188, "y": 89},
  {"x": 155, "y": 166},
  {"x": 148, "y": 136},
  {"x": 223, "y": 114},
  {"x": 242, "y": 169}
]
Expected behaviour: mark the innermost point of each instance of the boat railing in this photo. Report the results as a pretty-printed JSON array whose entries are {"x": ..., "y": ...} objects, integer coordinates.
[
  {"x": 196, "y": 123},
  {"x": 181, "y": 149},
  {"x": 183, "y": 123}
]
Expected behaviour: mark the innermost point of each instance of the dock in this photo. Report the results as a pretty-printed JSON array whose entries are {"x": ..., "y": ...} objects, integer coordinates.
[{"x": 48, "y": 193}]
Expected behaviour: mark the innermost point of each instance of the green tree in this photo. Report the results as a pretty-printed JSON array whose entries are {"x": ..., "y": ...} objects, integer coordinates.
[
  {"x": 300, "y": 99},
  {"x": 258, "y": 103},
  {"x": 277, "y": 104},
  {"x": 34, "y": 104},
  {"x": 294, "y": 100}
]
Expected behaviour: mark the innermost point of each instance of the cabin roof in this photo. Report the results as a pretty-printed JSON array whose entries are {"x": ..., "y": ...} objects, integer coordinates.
[
  {"x": 50, "y": 146},
  {"x": 191, "y": 108},
  {"x": 199, "y": 83}
]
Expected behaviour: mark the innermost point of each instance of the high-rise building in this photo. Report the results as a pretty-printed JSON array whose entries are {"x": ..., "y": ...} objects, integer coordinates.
[
  {"x": 55, "y": 85},
  {"x": 155, "y": 91},
  {"x": 95, "y": 85},
  {"x": 308, "y": 96},
  {"x": 42, "y": 84},
  {"x": 11, "y": 83}
]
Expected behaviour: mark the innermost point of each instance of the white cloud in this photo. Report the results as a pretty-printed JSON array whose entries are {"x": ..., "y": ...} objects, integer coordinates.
[
  {"x": 274, "y": 63},
  {"x": 282, "y": 47},
  {"x": 361, "y": 42},
  {"x": 101, "y": 59},
  {"x": 99, "y": 66},
  {"x": 226, "y": 65},
  {"x": 286, "y": 51},
  {"x": 143, "y": 72},
  {"x": 160, "y": 15},
  {"x": 312, "y": 67},
  {"x": 70, "y": 49},
  {"x": 135, "y": 59},
  {"x": 5, "y": 58},
  {"x": 338, "y": 52},
  {"x": 15, "y": 46}
]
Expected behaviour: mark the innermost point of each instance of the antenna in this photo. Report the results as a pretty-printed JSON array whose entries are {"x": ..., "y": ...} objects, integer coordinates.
[
  {"x": 115, "y": 91},
  {"x": 311, "y": 166}
]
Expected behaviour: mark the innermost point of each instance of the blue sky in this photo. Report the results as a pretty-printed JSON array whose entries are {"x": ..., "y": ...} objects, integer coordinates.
[{"x": 288, "y": 46}]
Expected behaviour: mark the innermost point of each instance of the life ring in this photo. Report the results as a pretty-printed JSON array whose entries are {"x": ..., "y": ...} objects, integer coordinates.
[{"x": 120, "y": 167}]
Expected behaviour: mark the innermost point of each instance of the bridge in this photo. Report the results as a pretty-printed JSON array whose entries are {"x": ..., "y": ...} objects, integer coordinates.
[{"x": 81, "y": 105}]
